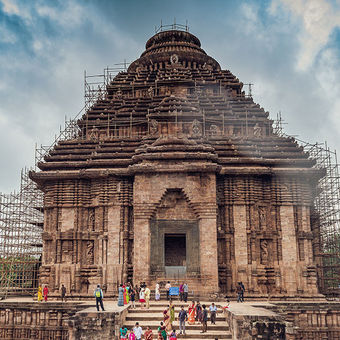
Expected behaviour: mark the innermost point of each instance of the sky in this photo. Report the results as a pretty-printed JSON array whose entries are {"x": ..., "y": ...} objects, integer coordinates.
[{"x": 289, "y": 50}]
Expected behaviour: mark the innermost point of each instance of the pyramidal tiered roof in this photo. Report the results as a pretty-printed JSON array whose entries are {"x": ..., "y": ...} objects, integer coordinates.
[{"x": 176, "y": 104}]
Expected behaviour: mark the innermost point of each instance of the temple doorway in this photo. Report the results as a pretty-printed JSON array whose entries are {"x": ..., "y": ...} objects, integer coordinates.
[
  {"x": 175, "y": 249},
  {"x": 175, "y": 254}
]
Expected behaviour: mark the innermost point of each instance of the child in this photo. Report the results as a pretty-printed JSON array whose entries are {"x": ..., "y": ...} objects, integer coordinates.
[
  {"x": 173, "y": 335},
  {"x": 132, "y": 335},
  {"x": 132, "y": 297}
]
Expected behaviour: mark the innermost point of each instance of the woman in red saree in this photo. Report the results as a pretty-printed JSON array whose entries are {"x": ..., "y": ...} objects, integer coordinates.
[
  {"x": 148, "y": 335},
  {"x": 192, "y": 313},
  {"x": 166, "y": 320}
]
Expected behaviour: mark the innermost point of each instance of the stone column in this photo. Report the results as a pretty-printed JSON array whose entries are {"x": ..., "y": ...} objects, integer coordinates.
[
  {"x": 113, "y": 266},
  {"x": 141, "y": 260},
  {"x": 289, "y": 250},
  {"x": 208, "y": 252},
  {"x": 240, "y": 237}
]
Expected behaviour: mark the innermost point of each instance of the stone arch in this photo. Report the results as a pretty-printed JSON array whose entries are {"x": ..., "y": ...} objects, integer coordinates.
[{"x": 174, "y": 205}]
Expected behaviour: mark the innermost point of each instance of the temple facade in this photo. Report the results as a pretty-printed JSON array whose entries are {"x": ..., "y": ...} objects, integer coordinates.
[{"x": 176, "y": 173}]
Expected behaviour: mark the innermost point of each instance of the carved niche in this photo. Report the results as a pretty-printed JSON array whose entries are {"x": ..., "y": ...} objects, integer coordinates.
[
  {"x": 66, "y": 251},
  {"x": 88, "y": 252}
]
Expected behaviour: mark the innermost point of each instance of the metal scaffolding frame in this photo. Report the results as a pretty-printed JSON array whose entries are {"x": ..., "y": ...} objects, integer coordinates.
[{"x": 21, "y": 226}]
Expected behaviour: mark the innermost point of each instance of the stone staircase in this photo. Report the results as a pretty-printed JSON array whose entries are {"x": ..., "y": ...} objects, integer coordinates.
[
  {"x": 153, "y": 316},
  {"x": 195, "y": 288}
]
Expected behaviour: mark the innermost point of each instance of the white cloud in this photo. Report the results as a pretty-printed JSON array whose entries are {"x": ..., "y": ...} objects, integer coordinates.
[
  {"x": 10, "y": 7},
  {"x": 318, "y": 18}
]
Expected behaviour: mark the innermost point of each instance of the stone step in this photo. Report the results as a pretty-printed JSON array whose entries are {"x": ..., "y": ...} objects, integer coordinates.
[
  {"x": 196, "y": 334},
  {"x": 158, "y": 317},
  {"x": 153, "y": 324}
]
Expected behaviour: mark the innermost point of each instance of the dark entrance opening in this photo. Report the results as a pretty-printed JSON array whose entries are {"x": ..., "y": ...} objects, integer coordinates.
[{"x": 175, "y": 249}]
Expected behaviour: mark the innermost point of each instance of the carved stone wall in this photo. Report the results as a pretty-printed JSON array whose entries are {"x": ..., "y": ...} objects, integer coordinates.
[
  {"x": 263, "y": 232},
  {"x": 88, "y": 235},
  {"x": 20, "y": 321}
]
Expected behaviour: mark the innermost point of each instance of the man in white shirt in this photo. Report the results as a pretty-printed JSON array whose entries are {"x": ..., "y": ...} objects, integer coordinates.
[{"x": 138, "y": 331}]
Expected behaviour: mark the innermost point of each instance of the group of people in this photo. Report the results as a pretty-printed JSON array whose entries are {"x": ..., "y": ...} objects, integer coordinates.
[
  {"x": 183, "y": 291},
  {"x": 196, "y": 313},
  {"x": 136, "y": 333},
  {"x": 42, "y": 293},
  {"x": 127, "y": 293}
]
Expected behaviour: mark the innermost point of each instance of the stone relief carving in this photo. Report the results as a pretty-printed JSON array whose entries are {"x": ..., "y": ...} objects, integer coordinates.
[
  {"x": 264, "y": 251},
  {"x": 153, "y": 126},
  {"x": 89, "y": 252},
  {"x": 262, "y": 217},
  {"x": 213, "y": 130},
  {"x": 94, "y": 134},
  {"x": 150, "y": 91},
  {"x": 257, "y": 130},
  {"x": 174, "y": 59},
  {"x": 196, "y": 128}
]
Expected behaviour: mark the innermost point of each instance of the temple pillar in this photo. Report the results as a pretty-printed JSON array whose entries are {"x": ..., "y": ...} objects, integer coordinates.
[
  {"x": 208, "y": 251},
  {"x": 240, "y": 236},
  {"x": 289, "y": 250},
  {"x": 113, "y": 249}
]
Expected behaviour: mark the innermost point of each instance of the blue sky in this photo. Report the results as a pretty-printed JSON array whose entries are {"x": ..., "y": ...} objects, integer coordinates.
[{"x": 289, "y": 50}]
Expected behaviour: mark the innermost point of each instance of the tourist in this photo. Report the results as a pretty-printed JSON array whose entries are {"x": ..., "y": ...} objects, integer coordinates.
[
  {"x": 98, "y": 293},
  {"x": 121, "y": 295},
  {"x": 192, "y": 313},
  {"x": 126, "y": 297},
  {"x": 142, "y": 297},
  {"x": 123, "y": 333},
  {"x": 148, "y": 335},
  {"x": 239, "y": 292},
  {"x": 138, "y": 331},
  {"x": 45, "y": 291},
  {"x": 147, "y": 294},
  {"x": 213, "y": 310},
  {"x": 157, "y": 292},
  {"x": 173, "y": 335},
  {"x": 63, "y": 293},
  {"x": 182, "y": 317},
  {"x": 166, "y": 320},
  {"x": 172, "y": 312},
  {"x": 185, "y": 292},
  {"x": 162, "y": 334},
  {"x": 204, "y": 319},
  {"x": 131, "y": 335},
  {"x": 40, "y": 294},
  {"x": 242, "y": 292},
  {"x": 181, "y": 292},
  {"x": 133, "y": 297},
  {"x": 167, "y": 288},
  {"x": 198, "y": 312}
]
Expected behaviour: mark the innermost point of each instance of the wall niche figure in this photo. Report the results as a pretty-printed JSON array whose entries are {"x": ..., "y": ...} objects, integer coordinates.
[
  {"x": 88, "y": 252},
  {"x": 264, "y": 251}
]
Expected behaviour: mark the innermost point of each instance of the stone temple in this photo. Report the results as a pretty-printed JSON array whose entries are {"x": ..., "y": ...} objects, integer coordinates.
[{"x": 176, "y": 172}]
